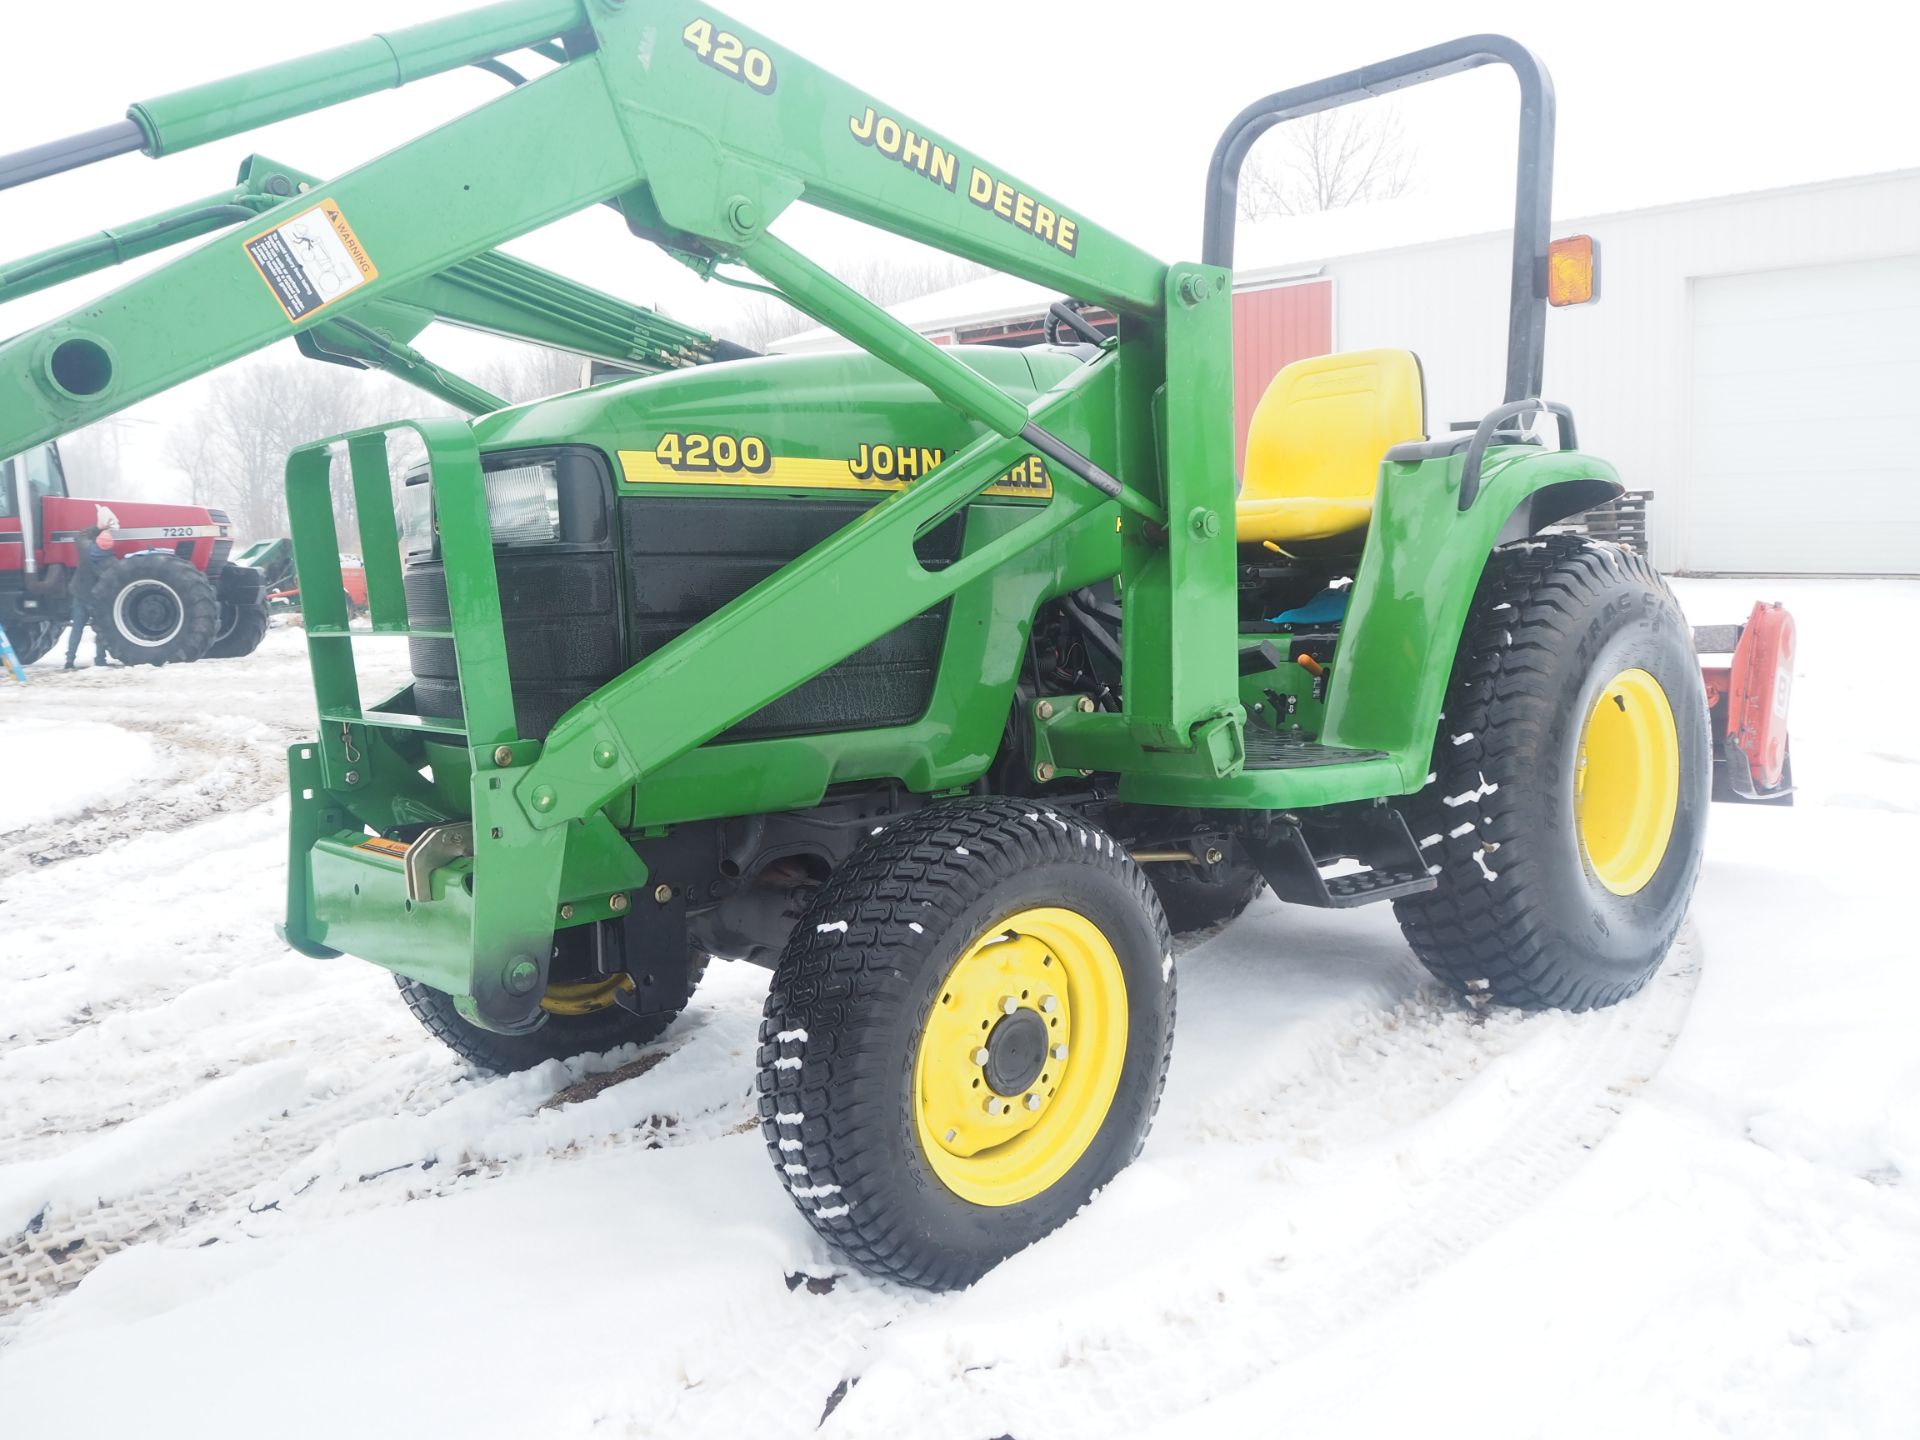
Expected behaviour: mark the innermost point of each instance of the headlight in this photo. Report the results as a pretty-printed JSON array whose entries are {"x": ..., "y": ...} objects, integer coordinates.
[{"x": 523, "y": 504}]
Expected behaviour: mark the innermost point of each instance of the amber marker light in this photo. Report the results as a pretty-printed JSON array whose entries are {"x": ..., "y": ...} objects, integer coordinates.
[{"x": 1573, "y": 271}]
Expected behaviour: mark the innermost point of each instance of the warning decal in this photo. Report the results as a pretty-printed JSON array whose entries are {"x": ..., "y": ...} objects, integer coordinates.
[
  {"x": 379, "y": 844},
  {"x": 312, "y": 260}
]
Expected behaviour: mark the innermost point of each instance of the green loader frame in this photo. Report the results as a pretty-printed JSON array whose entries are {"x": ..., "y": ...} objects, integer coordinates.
[{"x": 700, "y": 134}]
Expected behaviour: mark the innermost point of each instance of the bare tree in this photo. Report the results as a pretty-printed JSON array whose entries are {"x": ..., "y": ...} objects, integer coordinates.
[
  {"x": 92, "y": 461},
  {"x": 234, "y": 446},
  {"x": 531, "y": 372},
  {"x": 191, "y": 449},
  {"x": 1327, "y": 161}
]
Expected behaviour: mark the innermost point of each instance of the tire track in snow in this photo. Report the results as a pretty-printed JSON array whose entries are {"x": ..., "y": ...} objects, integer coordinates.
[
  {"x": 693, "y": 1087},
  {"x": 132, "y": 930},
  {"x": 221, "y": 727},
  {"x": 206, "y": 776},
  {"x": 278, "y": 1172},
  {"x": 64, "y": 1243},
  {"x": 1115, "y": 1374}
]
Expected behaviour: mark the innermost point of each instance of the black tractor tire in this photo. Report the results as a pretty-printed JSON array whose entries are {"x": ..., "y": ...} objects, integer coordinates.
[
  {"x": 861, "y": 979},
  {"x": 33, "y": 638},
  {"x": 1521, "y": 916},
  {"x": 1193, "y": 903},
  {"x": 561, "y": 1038},
  {"x": 154, "y": 610},
  {"x": 243, "y": 627}
]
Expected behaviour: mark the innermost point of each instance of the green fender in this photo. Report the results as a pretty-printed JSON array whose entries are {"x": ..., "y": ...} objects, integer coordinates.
[{"x": 1423, "y": 560}]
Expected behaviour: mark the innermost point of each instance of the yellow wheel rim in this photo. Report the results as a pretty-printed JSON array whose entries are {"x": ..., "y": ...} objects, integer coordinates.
[
  {"x": 1041, "y": 992},
  {"x": 1627, "y": 782}
]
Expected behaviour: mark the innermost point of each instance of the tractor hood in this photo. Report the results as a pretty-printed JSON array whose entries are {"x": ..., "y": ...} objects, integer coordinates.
[{"x": 804, "y": 422}]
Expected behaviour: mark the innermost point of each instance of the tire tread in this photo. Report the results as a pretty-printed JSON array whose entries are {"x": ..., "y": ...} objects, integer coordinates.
[
  {"x": 939, "y": 859},
  {"x": 1487, "y": 940}
]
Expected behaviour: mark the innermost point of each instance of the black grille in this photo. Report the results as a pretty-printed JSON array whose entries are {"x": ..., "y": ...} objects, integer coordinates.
[
  {"x": 688, "y": 557},
  {"x": 561, "y": 617},
  {"x": 685, "y": 559}
]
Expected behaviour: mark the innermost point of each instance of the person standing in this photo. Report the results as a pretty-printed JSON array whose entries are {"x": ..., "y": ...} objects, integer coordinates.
[{"x": 95, "y": 549}]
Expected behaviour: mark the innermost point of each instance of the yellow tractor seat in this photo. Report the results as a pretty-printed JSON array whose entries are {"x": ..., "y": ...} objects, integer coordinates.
[{"x": 1316, "y": 442}]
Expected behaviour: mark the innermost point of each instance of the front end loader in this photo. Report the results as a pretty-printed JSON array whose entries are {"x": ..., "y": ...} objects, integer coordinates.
[{"x": 947, "y": 683}]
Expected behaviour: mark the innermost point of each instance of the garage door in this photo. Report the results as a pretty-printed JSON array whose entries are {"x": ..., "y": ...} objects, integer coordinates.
[{"x": 1806, "y": 421}]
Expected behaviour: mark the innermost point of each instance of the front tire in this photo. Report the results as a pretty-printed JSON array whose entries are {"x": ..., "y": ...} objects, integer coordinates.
[
  {"x": 1569, "y": 801},
  {"x": 1193, "y": 902},
  {"x": 966, "y": 1037},
  {"x": 154, "y": 610},
  {"x": 561, "y": 1038}
]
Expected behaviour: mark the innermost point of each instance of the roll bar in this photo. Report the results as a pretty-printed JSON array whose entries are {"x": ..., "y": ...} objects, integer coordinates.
[{"x": 1533, "y": 202}]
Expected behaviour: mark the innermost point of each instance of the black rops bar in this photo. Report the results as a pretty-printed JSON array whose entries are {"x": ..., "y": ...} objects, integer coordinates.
[
  {"x": 57, "y": 156},
  {"x": 1533, "y": 204}
]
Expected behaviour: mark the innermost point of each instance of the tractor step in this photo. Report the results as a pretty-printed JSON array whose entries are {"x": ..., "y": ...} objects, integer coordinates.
[
  {"x": 1275, "y": 750},
  {"x": 1375, "y": 835},
  {"x": 393, "y": 720}
]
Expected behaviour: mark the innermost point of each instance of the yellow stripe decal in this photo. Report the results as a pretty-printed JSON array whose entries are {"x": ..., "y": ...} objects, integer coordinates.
[{"x": 1028, "y": 480}]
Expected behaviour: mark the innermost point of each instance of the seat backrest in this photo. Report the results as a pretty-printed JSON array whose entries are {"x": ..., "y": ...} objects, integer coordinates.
[{"x": 1325, "y": 423}]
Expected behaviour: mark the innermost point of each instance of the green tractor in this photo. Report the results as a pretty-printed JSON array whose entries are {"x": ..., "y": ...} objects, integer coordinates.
[{"x": 947, "y": 684}]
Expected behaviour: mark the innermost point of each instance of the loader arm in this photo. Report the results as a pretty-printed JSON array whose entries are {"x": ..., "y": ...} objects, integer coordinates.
[{"x": 491, "y": 292}]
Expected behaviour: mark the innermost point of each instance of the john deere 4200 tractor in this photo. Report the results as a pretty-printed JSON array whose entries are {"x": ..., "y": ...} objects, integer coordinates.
[{"x": 947, "y": 684}]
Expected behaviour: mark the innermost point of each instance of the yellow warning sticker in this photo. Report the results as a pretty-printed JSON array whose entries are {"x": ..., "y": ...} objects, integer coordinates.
[
  {"x": 380, "y": 845},
  {"x": 312, "y": 260}
]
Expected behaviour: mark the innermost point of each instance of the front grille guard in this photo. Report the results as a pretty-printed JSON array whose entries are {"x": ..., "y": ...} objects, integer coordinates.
[{"x": 473, "y": 591}]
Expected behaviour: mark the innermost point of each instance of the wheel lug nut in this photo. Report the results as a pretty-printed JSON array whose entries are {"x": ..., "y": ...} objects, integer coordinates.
[
  {"x": 1050, "y": 1004},
  {"x": 982, "y": 1055},
  {"x": 1059, "y": 1052},
  {"x": 1008, "y": 1004},
  {"x": 996, "y": 1106},
  {"x": 1033, "y": 1102}
]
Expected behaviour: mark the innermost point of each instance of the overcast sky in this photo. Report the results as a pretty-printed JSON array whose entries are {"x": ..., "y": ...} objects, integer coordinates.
[{"x": 1111, "y": 107}]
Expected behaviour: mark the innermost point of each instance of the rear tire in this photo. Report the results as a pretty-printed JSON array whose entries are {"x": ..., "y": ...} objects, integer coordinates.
[
  {"x": 1541, "y": 902},
  {"x": 909, "y": 1153},
  {"x": 154, "y": 610},
  {"x": 246, "y": 627},
  {"x": 561, "y": 1038}
]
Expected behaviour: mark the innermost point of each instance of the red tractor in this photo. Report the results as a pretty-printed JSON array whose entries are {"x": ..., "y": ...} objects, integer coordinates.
[{"x": 173, "y": 595}]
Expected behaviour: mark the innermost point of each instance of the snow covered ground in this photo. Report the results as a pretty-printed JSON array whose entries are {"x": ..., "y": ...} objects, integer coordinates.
[{"x": 242, "y": 1194}]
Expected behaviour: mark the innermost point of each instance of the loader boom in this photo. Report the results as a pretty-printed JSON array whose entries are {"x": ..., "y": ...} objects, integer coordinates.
[{"x": 490, "y": 292}]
